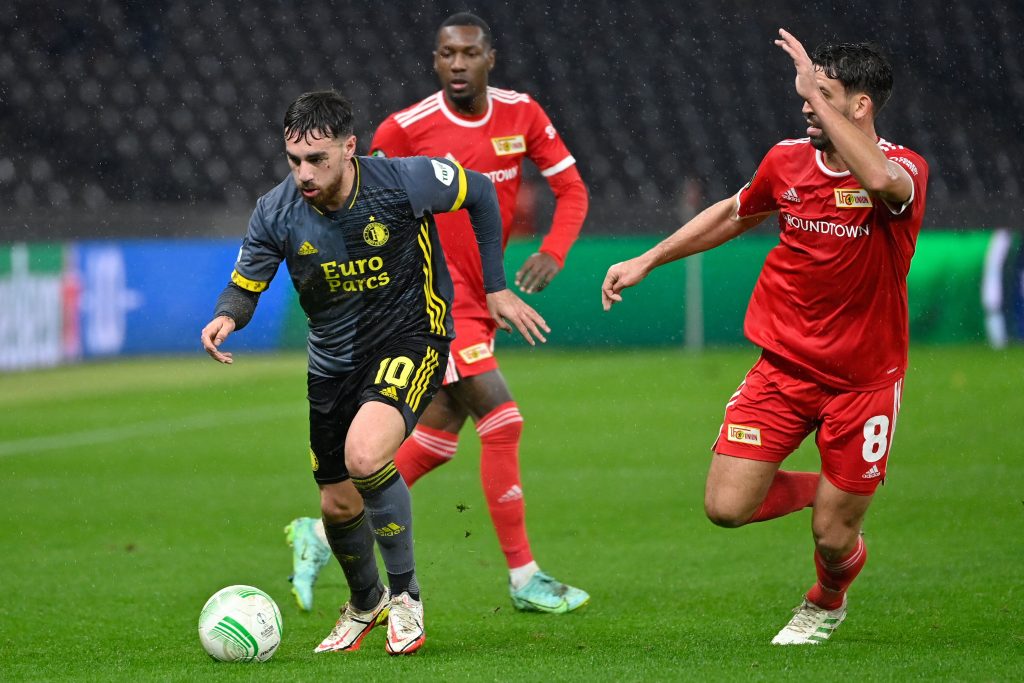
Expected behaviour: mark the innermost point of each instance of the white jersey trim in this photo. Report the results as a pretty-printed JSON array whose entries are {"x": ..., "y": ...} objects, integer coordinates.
[
  {"x": 458, "y": 120},
  {"x": 559, "y": 167},
  {"x": 819, "y": 158},
  {"x": 418, "y": 111}
]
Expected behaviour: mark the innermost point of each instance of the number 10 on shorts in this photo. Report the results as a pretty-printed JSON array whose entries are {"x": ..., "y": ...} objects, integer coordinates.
[{"x": 395, "y": 371}]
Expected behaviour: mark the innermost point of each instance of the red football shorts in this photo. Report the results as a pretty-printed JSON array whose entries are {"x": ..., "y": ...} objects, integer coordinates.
[
  {"x": 778, "y": 405},
  {"x": 472, "y": 351}
]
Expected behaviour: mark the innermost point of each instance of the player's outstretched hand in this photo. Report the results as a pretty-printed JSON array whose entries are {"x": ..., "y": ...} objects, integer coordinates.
[
  {"x": 214, "y": 334},
  {"x": 537, "y": 273},
  {"x": 509, "y": 311},
  {"x": 620, "y": 276},
  {"x": 806, "y": 83}
]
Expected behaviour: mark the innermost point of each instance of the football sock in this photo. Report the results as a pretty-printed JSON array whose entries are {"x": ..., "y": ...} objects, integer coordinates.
[
  {"x": 389, "y": 507},
  {"x": 352, "y": 545},
  {"x": 834, "y": 577},
  {"x": 424, "y": 450},
  {"x": 520, "y": 576},
  {"x": 789, "y": 492},
  {"x": 499, "y": 432}
]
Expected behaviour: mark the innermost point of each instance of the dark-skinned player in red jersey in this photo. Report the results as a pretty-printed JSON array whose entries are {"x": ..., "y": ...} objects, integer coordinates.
[
  {"x": 829, "y": 311},
  {"x": 491, "y": 131}
]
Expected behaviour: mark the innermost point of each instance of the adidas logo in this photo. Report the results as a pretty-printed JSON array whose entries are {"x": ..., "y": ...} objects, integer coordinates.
[
  {"x": 391, "y": 529},
  {"x": 514, "y": 493},
  {"x": 790, "y": 195},
  {"x": 306, "y": 249},
  {"x": 390, "y": 392},
  {"x": 872, "y": 473}
]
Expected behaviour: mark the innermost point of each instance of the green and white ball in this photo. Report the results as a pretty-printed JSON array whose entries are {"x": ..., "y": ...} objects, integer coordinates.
[{"x": 240, "y": 624}]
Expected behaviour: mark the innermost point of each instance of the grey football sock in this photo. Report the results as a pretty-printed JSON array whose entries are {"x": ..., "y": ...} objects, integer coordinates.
[
  {"x": 352, "y": 544},
  {"x": 389, "y": 508}
]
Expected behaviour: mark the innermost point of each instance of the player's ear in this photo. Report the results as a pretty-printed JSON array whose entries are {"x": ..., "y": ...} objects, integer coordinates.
[
  {"x": 490, "y": 58},
  {"x": 863, "y": 107},
  {"x": 350, "y": 147}
]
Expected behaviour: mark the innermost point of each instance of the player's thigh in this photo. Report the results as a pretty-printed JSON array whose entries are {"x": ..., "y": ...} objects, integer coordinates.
[
  {"x": 768, "y": 416},
  {"x": 736, "y": 487},
  {"x": 480, "y": 394},
  {"x": 472, "y": 350},
  {"x": 332, "y": 406},
  {"x": 405, "y": 374},
  {"x": 855, "y": 437},
  {"x": 445, "y": 412},
  {"x": 766, "y": 419},
  {"x": 374, "y": 436}
]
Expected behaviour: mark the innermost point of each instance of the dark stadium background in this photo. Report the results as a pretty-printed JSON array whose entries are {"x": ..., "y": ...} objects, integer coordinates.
[{"x": 162, "y": 119}]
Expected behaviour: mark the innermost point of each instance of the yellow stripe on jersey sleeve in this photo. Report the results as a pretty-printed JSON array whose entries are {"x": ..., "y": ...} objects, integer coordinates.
[
  {"x": 246, "y": 283},
  {"x": 436, "y": 307},
  {"x": 462, "y": 188}
]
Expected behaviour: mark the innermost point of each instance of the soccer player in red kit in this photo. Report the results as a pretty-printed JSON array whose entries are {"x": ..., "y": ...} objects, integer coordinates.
[
  {"x": 829, "y": 311},
  {"x": 491, "y": 131}
]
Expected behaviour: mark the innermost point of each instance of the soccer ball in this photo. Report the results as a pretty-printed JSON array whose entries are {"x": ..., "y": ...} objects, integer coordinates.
[{"x": 240, "y": 624}]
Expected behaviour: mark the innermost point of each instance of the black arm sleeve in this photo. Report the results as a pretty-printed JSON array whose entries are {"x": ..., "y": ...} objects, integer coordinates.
[
  {"x": 237, "y": 304},
  {"x": 485, "y": 215}
]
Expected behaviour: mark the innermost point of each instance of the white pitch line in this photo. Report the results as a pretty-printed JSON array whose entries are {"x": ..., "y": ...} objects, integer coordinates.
[{"x": 91, "y": 437}]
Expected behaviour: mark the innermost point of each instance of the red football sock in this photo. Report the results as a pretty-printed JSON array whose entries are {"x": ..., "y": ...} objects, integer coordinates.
[
  {"x": 789, "y": 492},
  {"x": 835, "y": 577},
  {"x": 424, "y": 450},
  {"x": 499, "y": 472}
]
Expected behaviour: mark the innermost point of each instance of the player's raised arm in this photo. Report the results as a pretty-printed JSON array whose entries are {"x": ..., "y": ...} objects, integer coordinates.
[
  {"x": 854, "y": 140},
  {"x": 715, "y": 225}
]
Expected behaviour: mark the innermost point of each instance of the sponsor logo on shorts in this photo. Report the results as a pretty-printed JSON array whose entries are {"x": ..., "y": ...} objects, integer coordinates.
[
  {"x": 872, "y": 473},
  {"x": 375, "y": 234},
  {"x": 476, "y": 352},
  {"x": 313, "y": 461},
  {"x": 389, "y": 392},
  {"x": 511, "y": 144},
  {"x": 743, "y": 434},
  {"x": 391, "y": 529},
  {"x": 852, "y": 198}
]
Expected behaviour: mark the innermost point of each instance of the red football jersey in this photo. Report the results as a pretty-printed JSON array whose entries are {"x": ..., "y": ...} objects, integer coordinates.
[
  {"x": 832, "y": 295},
  {"x": 494, "y": 144}
]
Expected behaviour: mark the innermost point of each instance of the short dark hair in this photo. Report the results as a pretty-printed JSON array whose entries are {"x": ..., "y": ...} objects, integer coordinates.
[
  {"x": 326, "y": 111},
  {"x": 860, "y": 67},
  {"x": 468, "y": 19}
]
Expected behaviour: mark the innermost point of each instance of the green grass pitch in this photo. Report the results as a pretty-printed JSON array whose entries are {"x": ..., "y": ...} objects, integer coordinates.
[{"x": 131, "y": 491}]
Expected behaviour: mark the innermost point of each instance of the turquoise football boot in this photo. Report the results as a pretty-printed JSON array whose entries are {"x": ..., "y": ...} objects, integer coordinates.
[
  {"x": 309, "y": 555},
  {"x": 543, "y": 593}
]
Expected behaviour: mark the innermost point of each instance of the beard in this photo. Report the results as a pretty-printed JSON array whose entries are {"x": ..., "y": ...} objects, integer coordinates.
[{"x": 821, "y": 143}]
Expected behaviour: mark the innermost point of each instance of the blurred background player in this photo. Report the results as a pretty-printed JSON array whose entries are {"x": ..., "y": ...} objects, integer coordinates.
[
  {"x": 829, "y": 311},
  {"x": 363, "y": 254},
  {"x": 491, "y": 131}
]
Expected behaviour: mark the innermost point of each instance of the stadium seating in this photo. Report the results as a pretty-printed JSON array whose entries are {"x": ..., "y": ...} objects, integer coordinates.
[{"x": 106, "y": 104}]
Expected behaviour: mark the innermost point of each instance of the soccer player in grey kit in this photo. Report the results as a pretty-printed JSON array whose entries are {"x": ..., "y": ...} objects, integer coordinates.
[{"x": 358, "y": 236}]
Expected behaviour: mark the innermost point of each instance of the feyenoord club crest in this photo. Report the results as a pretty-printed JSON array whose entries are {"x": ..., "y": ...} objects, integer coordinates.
[{"x": 375, "y": 234}]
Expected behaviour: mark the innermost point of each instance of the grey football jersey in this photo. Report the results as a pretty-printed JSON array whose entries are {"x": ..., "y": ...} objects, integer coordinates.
[{"x": 374, "y": 268}]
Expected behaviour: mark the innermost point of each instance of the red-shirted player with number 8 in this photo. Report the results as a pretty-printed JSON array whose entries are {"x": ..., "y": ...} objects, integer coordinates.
[
  {"x": 829, "y": 311},
  {"x": 491, "y": 131}
]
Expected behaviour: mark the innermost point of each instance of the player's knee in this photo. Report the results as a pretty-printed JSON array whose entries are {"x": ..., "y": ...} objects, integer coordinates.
[
  {"x": 834, "y": 541},
  {"x": 337, "y": 510},
  {"x": 725, "y": 514},
  {"x": 362, "y": 457}
]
